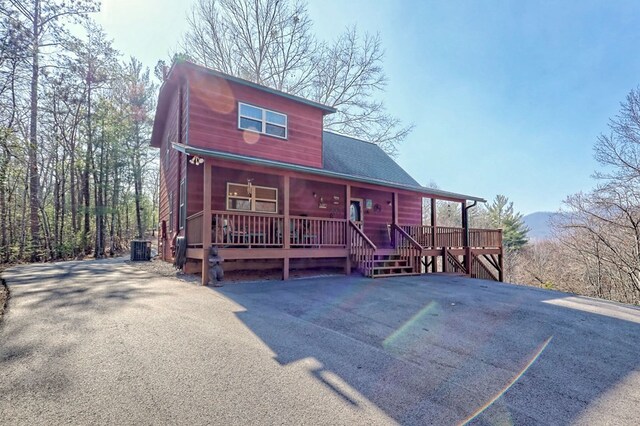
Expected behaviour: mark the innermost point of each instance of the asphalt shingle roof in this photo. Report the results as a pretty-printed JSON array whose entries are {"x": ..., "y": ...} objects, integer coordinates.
[{"x": 343, "y": 154}]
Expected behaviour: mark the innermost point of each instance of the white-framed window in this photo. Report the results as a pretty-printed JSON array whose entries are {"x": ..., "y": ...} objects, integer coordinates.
[
  {"x": 262, "y": 120},
  {"x": 182, "y": 213},
  {"x": 252, "y": 198}
]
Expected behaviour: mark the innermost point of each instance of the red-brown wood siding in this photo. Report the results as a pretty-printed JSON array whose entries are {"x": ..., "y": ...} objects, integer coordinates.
[
  {"x": 410, "y": 209},
  {"x": 375, "y": 222},
  {"x": 213, "y": 122},
  {"x": 170, "y": 176},
  {"x": 304, "y": 203}
]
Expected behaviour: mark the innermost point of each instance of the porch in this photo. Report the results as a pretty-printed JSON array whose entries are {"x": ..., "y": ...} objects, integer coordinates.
[{"x": 292, "y": 216}]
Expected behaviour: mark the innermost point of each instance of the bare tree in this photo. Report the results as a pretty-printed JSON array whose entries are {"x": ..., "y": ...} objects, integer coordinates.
[
  {"x": 603, "y": 225},
  {"x": 271, "y": 43}
]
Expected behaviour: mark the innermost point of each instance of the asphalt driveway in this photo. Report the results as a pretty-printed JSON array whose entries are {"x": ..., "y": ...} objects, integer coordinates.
[{"x": 104, "y": 342}]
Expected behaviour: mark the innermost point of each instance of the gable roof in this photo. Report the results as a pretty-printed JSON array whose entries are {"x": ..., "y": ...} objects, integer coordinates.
[{"x": 355, "y": 157}]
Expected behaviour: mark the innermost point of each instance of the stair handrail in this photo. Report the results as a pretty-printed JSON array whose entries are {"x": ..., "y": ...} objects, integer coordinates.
[
  {"x": 412, "y": 252},
  {"x": 355, "y": 227},
  {"x": 363, "y": 255},
  {"x": 456, "y": 263},
  {"x": 480, "y": 270},
  {"x": 407, "y": 236}
]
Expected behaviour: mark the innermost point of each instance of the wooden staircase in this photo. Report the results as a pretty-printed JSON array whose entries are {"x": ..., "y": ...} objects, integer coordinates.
[
  {"x": 387, "y": 264},
  {"x": 406, "y": 258}
]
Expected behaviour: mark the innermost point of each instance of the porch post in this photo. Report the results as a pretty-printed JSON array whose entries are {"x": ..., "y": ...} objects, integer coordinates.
[
  {"x": 286, "y": 227},
  {"x": 465, "y": 237},
  {"x": 394, "y": 217},
  {"x": 347, "y": 228},
  {"x": 206, "y": 220},
  {"x": 434, "y": 259}
]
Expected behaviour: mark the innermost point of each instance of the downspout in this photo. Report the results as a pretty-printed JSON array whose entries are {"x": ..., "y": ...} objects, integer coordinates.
[{"x": 466, "y": 229}]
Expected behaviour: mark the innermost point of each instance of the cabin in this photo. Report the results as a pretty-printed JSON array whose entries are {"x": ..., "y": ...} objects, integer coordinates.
[{"x": 250, "y": 170}]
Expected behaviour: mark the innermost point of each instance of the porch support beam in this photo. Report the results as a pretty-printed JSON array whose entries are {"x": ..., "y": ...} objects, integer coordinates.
[
  {"x": 434, "y": 223},
  {"x": 206, "y": 220},
  {"x": 286, "y": 226},
  {"x": 465, "y": 237},
  {"x": 394, "y": 216},
  {"x": 347, "y": 228}
]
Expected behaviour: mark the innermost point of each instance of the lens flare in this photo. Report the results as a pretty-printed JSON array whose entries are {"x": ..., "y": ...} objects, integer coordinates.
[
  {"x": 511, "y": 383},
  {"x": 413, "y": 321}
]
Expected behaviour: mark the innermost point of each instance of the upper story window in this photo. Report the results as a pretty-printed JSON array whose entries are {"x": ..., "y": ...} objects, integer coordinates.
[{"x": 262, "y": 120}]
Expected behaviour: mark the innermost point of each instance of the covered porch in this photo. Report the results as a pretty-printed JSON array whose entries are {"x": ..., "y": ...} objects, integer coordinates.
[{"x": 272, "y": 216}]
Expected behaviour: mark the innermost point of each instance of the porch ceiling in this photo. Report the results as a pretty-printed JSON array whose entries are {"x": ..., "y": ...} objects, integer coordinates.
[{"x": 430, "y": 192}]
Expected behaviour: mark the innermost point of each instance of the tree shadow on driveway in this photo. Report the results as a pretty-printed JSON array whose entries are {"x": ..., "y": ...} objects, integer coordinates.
[
  {"x": 441, "y": 350},
  {"x": 56, "y": 303}
]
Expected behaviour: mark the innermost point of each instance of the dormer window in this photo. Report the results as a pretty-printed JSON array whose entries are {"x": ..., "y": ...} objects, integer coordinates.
[{"x": 262, "y": 120}]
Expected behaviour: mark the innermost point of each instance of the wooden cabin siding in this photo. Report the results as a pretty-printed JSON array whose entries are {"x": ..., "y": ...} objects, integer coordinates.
[
  {"x": 409, "y": 208},
  {"x": 213, "y": 122},
  {"x": 375, "y": 222},
  {"x": 170, "y": 177},
  {"x": 304, "y": 203}
]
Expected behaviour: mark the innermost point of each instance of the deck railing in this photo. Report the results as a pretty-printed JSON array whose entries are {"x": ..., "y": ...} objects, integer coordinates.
[
  {"x": 362, "y": 250},
  {"x": 485, "y": 237},
  {"x": 446, "y": 236},
  {"x": 317, "y": 232},
  {"x": 194, "y": 229},
  {"x": 244, "y": 229}
]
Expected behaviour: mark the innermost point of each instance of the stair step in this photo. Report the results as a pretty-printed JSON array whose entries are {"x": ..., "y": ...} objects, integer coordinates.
[
  {"x": 390, "y": 261},
  {"x": 399, "y": 274},
  {"x": 387, "y": 268}
]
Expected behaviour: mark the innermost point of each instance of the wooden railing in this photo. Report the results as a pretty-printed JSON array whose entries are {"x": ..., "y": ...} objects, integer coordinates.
[
  {"x": 480, "y": 270},
  {"x": 317, "y": 232},
  {"x": 194, "y": 230},
  {"x": 244, "y": 229},
  {"x": 362, "y": 250},
  {"x": 407, "y": 247},
  {"x": 452, "y": 264},
  {"x": 485, "y": 237},
  {"x": 445, "y": 236}
]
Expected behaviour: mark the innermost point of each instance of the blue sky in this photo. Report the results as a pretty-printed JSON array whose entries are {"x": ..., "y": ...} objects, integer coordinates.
[{"x": 507, "y": 96}]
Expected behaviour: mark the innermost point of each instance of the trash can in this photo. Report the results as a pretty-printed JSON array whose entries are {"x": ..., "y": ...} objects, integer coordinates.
[{"x": 140, "y": 250}]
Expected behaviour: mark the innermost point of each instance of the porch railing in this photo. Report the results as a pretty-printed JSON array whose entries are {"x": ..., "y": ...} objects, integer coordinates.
[
  {"x": 485, "y": 237},
  {"x": 445, "y": 236},
  {"x": 244, "y": 229},
  {"x": 194, "y": 229},
  {"x": 362, "y": 250}
]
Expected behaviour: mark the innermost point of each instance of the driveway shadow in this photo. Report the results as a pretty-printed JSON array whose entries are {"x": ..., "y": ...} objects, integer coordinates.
[
  {"x": 53, "y": 302},
  {"x": 441, "y": 350}
]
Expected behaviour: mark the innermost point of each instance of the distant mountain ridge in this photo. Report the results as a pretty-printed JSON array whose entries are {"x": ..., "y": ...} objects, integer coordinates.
[{"x": 539, "y": 224}]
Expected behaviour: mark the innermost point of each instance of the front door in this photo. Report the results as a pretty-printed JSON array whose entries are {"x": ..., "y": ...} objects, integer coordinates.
[{"x": 355, "y": 212}]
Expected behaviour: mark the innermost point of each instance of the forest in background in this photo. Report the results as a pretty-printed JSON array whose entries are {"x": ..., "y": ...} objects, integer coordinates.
[{"x": 77, "y": 176}]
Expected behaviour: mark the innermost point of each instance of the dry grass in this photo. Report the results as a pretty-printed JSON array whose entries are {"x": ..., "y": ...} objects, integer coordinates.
[{"x": 4, "y": 296}]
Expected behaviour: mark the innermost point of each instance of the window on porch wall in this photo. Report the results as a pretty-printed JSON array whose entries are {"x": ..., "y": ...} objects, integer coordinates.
[{"x": 252, "y": 198}]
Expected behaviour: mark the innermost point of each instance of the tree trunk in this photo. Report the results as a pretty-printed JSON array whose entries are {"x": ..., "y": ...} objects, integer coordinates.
[
  {"x": 85, "y": 177},
  {"x": 34, "y": 223}
]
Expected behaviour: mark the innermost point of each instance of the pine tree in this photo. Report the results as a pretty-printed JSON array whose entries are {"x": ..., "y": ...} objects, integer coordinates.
[{"x": 502, "y": 215}]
